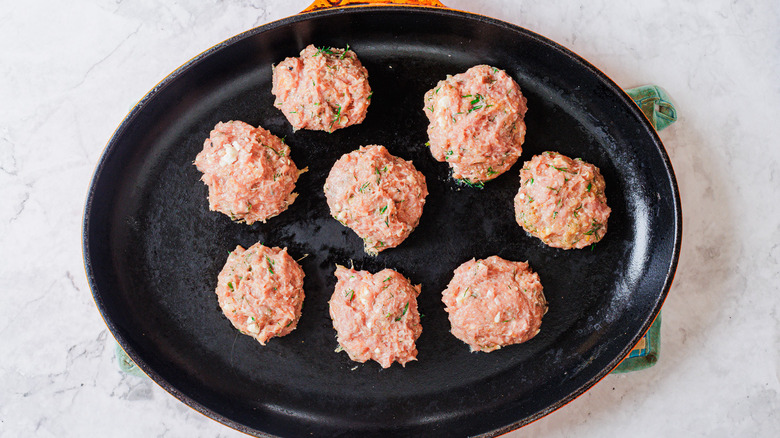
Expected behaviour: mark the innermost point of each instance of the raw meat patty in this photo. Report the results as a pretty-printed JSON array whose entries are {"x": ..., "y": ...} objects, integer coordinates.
[
  {"x": 248, "y": 171},
  {"x": 562, "y": 201},
  {"x": 324, "y": 89},
  {"x": 494, "y": 302},
  {"x": 260, "y": 290},
  {"x": 375, "y": 316},
  {"x": 377, "y": 195},
  {"x": 476, "y": 123}
]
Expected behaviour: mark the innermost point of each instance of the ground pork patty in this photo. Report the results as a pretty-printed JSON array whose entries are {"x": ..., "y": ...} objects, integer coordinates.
[
  {"x": 375, "y": 316},
  {"x": 248, "y": 171},
  {"x": 260, "y": 290},
  {"x": 494, "y": 302},
  {"x": 324, "y": 89},
  {"x": 377, "y": 195},
  {"x": 476, "y": 123},
  {"x": 561, "y": 201}
]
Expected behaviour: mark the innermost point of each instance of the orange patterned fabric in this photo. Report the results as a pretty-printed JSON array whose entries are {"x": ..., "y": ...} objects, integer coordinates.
[{"x": 327, "y": 4}]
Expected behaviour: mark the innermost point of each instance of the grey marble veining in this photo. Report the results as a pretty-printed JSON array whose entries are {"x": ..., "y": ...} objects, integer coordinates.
[{"x": 70, "y": 72}]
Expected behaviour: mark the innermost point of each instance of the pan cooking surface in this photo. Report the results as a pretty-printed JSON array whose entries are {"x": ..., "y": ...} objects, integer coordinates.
[{"x": 153, "y": 249}]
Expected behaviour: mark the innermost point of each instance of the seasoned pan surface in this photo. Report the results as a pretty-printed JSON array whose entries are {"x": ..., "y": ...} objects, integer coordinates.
[{"x": 153, "y": 249}]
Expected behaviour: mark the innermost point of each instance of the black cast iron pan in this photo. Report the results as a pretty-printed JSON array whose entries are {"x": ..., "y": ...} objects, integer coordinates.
[{"x": 153, "y": 249}]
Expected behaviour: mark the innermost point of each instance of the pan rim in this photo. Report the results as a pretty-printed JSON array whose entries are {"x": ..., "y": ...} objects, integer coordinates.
[{"x": 140, "y": 106}]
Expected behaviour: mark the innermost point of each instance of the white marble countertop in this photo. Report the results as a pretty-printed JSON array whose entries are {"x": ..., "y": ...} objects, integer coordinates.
[{"x": 72, "y": 70}]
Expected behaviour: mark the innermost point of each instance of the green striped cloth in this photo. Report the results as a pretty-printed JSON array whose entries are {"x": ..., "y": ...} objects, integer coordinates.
[{"x": 658, "y": 108}]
